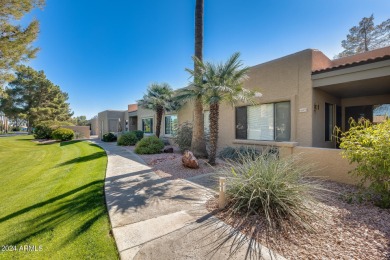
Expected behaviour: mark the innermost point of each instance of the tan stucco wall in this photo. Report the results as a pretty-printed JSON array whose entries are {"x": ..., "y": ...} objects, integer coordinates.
[
  {"x": 81, "y": 132},
  {"x": 327, "y": 163},
  {"x": 94, "y": 126},
  {"x": 105, "y": 116},
  {"x": 320, "y": 97}
]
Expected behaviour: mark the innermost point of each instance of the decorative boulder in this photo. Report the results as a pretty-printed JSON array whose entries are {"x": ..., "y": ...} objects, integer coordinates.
[
  {"x": 168, "y": 150},
  {"x": 189, "y": 160}
]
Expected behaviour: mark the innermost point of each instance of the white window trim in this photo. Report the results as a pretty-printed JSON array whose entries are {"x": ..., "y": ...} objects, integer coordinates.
[{"x": 165, "y": 134}]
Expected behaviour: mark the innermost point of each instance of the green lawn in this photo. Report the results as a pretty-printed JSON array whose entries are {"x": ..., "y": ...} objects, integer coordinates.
[{"x": 52, "y": 198}]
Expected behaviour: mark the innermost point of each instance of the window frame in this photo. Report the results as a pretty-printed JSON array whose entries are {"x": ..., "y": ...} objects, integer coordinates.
[
  {"x": 165, "y": 124},
  {"x": 273, "y": 122},
  {"x": 143, "y": 125}
]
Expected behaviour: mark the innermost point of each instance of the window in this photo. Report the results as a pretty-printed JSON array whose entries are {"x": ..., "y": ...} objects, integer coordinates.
[
  {"x": 170, "y": 124},
  {"x": 374, "y": 113},
  {"x": 147, "y": 125},
  {"x": 329, "y": 123},
  {"x": 267, "y": 122}
]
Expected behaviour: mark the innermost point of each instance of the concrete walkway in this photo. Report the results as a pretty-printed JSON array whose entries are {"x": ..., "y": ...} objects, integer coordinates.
[{"x": 155, "y": 218}]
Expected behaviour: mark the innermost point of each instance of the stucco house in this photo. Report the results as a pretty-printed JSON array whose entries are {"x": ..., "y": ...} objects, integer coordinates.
[{"x": 304, "y": 95}]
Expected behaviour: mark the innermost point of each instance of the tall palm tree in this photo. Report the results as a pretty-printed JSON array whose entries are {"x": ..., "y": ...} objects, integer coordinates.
[
  {"x": 198, "y": 144},
  {"x": 223, "y": 83},
  {"x": 159, "y": 97}
]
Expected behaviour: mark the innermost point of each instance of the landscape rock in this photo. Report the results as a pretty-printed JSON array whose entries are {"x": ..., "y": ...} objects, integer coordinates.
[
  {"x": 168, "y": 150},
  {"x": 189, "y": 160}
]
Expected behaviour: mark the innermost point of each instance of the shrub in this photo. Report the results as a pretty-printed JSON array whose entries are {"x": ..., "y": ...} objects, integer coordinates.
[
  {"x": 272, "y": 189},
  {"x": 368, "y": 146},
  {"x": 149, "y": 145},
  {"x": 109, "y": 137},
  {"x": 236, "y": 153},
  {"x": 128, "y": 138},
  {"x": 63, "y": 134},
  {"x": 139, "y": 134},
  {"x": 183, "y": 136},
  {"x": 16, "y": 128},
  {"x": 42, "y": 131}
]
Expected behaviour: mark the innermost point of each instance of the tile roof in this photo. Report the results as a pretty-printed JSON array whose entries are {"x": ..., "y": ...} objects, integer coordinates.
[{"x": 357, "y": 60}]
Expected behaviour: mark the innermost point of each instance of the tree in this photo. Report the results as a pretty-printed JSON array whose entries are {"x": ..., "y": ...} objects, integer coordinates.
[
  {"x": 80, "y": 120},
  {"x": 365, "y": 37},
  {"x": 35, "y": 98},
  {"x": 15, "y": 41},
  {"x": 159, "y": 98},
  {"x": 198, "y": 143},
  {"x": 223, "y": 83},
  {"x": 367, "y": 145}
]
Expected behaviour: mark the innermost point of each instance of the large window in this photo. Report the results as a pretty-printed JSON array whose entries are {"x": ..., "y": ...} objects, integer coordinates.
[
  {"x": 374, "y": 113},
  {"x": 267, "y": 122},
  {"x": 147, "y": 125},
  {"x": 170, "y": 124}
]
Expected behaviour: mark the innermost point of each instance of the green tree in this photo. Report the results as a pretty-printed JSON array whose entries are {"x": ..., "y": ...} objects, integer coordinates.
[
  {"x": 223, "y": 83},
  {"x": 365, "y": 37},
  {"x": 35, "y": 98},
  {"x": 367, "y": 145},
  {"x": 159, "y": 97},
  {"x": 198, "y": 143},
  {"x": 15, "y": 41},
  {"x": 80, "y": 120}
]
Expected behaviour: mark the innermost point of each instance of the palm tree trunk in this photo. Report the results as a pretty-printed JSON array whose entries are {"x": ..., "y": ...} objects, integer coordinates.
[
  {"x": 199, "y": 29},
  {"x": 214, "y": 128},
  {"x": 198, "y": 144},
  {"x": 159, "y": 112}
]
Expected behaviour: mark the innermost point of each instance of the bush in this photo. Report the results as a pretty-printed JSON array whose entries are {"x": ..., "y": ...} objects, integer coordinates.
[
  {"x": 183, "y": 136},
  {"x": 139, "y": 134},
  {"x": 128, "y": 138},
  {"x": 42, "y": 131},
  {"x": 272, "y": 189},
  {"x": 63, "y": 134},
  {"x": 149, "y": 145},
  {"x": 236, "y": 153},
  {"x": 368, "y": 146},
  {"x": 109, "y": 137},
  {"x": 16, "y": 128}
]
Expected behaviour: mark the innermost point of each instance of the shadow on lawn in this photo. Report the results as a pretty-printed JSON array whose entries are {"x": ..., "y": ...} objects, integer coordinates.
[
  {"x": 82, "y": 159},
  {"x": 82, "y": 207}
]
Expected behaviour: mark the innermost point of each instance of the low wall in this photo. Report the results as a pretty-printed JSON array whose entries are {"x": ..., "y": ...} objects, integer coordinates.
[
  {"x": 327, "y": 163},
  {"x": 81, "y": 132}
]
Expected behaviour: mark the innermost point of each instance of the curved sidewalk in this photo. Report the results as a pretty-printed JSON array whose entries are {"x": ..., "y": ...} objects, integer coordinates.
[{"x": 156, "y": 218}]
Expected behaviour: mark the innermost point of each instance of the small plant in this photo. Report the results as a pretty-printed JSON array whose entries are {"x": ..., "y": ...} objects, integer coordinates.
[
  {"x": 149, "y": 145},
  {"x": 139, "y": 134},
  {"x": 63, "y": 134},
  {"x": 271, "y": 188},
  {"x": 42, "y": 131},
  {"x": 368, "y": 146},
  {"x": 16, "y": 128},
  {"x": 109, "y": 137},
  {"x": 237, "y": 153},
  {"x": 183, "y": 136},
  {"x": 127, "y": 139}
]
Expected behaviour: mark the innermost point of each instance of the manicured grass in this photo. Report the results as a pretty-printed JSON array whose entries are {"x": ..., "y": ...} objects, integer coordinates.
[{"x": 52, "y": 197}]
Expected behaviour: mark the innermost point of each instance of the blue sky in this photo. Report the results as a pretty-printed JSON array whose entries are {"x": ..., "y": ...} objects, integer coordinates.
[{"x": 106, "y": 53}]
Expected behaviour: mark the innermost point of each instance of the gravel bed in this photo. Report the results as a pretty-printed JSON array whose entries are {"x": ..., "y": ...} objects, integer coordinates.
[
  {"x": 342, "y": 231},
  {"x": 169, "y": 165}
]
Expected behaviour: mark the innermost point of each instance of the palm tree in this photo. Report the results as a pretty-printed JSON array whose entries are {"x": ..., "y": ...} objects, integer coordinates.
[
  {"x": 223, "y": 83},
  {"x": 159, "y": 98},
  {"x": 198, "y": 144}
]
